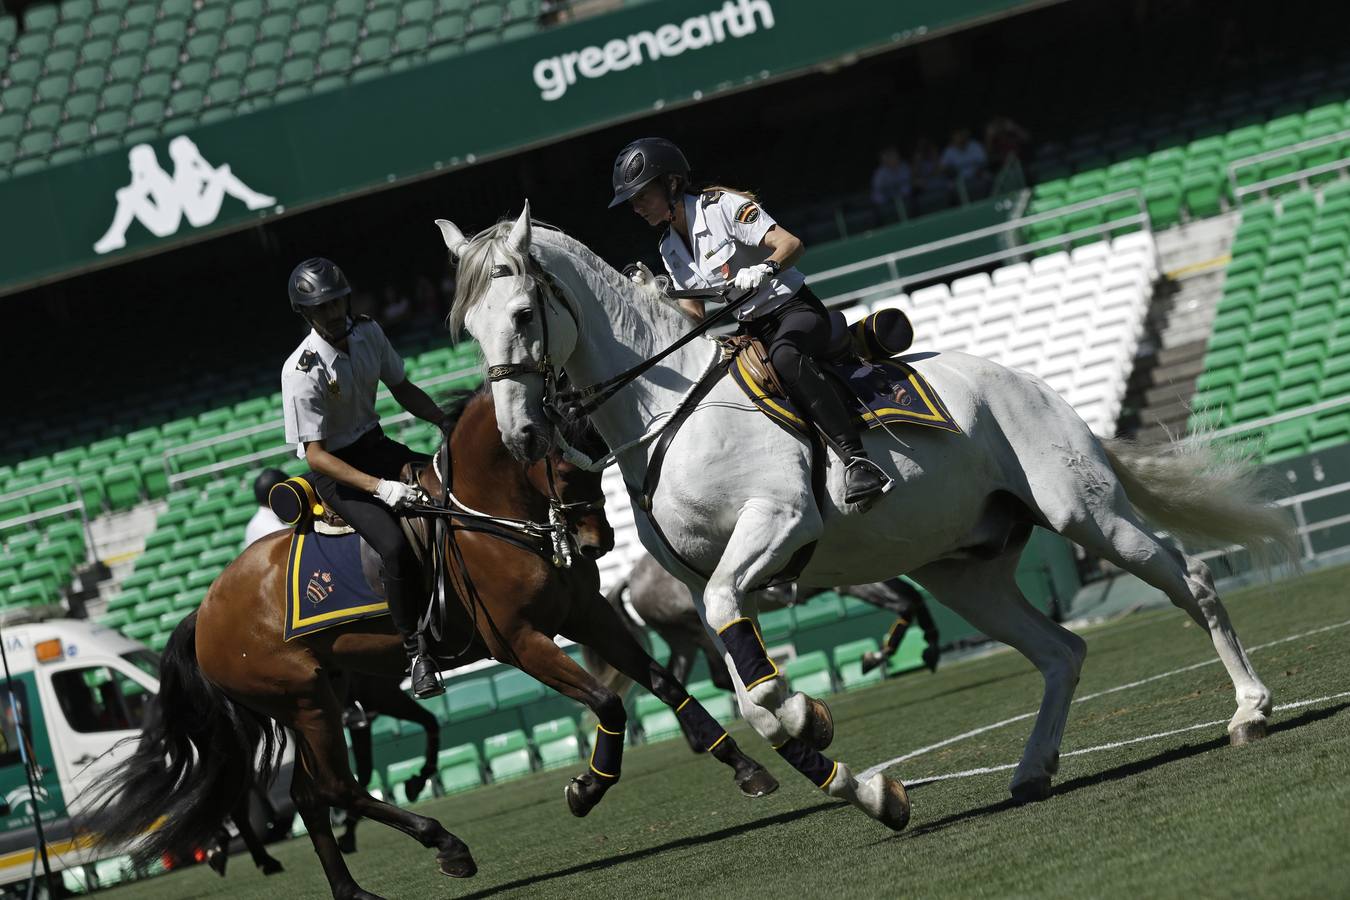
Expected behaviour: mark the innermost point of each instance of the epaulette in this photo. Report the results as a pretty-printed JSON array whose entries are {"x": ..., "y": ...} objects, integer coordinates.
[
  {"x": 308, "y": 360},
  {"x": 711, "y": 197}
]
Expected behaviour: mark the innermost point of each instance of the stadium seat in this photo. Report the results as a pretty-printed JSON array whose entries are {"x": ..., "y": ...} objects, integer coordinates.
[
  {"x": 468, "y": 699},
  {"x": 397, "y": 775},
  {"x": 775, "y": 626},
  {"x": 559, "y": 742},
  {"x": 459, "y": 768},
  {"x": 658, "y": 721},
  {"x": 514, "y": 688},
  {"x": 810, "y": 674},
  {"x": 820, "y": 610},
  {"x": 848, "y": 663},
  {"x": 507, "y": 755}
]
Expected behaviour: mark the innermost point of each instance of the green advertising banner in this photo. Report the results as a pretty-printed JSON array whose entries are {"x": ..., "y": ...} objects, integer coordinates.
[{"x": 565, "y": 80}]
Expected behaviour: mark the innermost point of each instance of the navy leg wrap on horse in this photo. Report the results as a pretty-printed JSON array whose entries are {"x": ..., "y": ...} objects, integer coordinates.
[
  {"x": 700, "y": 723},
  {"x": 747, "y": 651},
  {"x": 809, "y": 761},
  {"x": 607, "y": 754}
]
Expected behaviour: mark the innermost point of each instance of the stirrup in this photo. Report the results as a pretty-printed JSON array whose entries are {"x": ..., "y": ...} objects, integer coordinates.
[
  {"x": 426, "y": 677},
  {"x": 354, "y": 716},
  {"x": 881, "y": 482}
]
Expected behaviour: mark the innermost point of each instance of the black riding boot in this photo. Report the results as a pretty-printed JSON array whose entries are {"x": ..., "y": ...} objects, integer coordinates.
[
  {"x": 863, "y": 479},
  {"x": 426, "y": 676}
]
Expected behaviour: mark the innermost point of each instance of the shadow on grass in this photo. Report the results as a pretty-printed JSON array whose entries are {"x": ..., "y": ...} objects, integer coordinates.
[
  {"x": 1109, "y": 775},
  {"x": 692, "y": 840}
]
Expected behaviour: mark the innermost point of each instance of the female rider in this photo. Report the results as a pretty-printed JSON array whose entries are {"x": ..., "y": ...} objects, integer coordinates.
[
  {"x": 328, "y": 391},
  {"x": 720, "y": 238}
]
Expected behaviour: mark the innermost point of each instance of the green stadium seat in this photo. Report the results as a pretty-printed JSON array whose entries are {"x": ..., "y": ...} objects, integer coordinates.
[
  {"x": 25, "y": 70},
  {"x": 775, "y": 626},
  {"x": 28, "y": 594},
  {"x": 720, "y": 704},
  {"x": 159, "y": 640},
  {"x": 558, "y": 742},
  {"x": 186, "y": 102},
  {"x": 658, "y": 721},
  {"x": 459, "y": 768},
  {"x": 123, "y": 484},
  {"x": 422, "y": 11},
  {"x": 169, "y": 620},
  {"x": 507, "y": 755},
  {"x": 115, "y": 619},
  {"x": 127, "y": 599},
  {"x": 132, "y": 42},
  {"x": 469, "y": 699},
  {"x": 168, "y": 32},
  {"x": 848, "y": 663},
  {"x": 810, "y": 673},
  {"x": 381, "y": 21},
  {"x": 397, "y": 777},
  {"x": 514, "y": 688},
  {"x": 411, "y": 37},
  {"x": 217, "y": 558},
  {"x": 349, "y": 9},
  {"x": 141, "y": 629},
  {"x": 297, "y": 72},
  {"x": 448, "y": 29},
  {"x": 152, "y": 609},
  {"x": 373, "y": 49},
  {"x": 823, "y": 609}
]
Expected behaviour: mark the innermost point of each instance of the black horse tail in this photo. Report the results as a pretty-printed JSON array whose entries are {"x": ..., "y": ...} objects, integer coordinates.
[{"x": 196, "y": 755}]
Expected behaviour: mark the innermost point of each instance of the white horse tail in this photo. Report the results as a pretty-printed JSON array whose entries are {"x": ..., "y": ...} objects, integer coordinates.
[{"x": 1204, "y": 494}]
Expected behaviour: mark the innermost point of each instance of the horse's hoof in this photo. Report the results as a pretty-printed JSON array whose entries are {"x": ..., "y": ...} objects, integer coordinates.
[
  {"x": 456, "y": 861},
  {"x": 759, "y": 783},
  {"x": 894, "y": 809},
  {"x": 347, "y": 843},
  {"x": 583, "y": 795},
  {"x": 272, "y": 866},
  {"x": 1032, "y": 790},
  {"x": 217, "y": 861},
  {"x": 413, "y": 787},
  {"x": 359, "y": 894},
  {"x": 1247, "y": 732},
  {"x": 819, "y": 732}
]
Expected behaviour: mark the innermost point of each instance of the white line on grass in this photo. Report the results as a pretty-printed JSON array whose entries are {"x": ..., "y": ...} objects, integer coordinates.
[
  {"x": 985, "y": 770},
  {"x": 882, "y": 766}
]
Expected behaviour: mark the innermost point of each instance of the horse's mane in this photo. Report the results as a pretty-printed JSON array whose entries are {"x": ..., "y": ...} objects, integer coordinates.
[
  {"x": 474, "y": 274},
  {"x": 577, "y": 431}
]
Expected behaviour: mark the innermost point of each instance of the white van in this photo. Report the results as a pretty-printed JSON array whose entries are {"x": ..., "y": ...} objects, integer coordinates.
[{"x": 78, "y": 689}]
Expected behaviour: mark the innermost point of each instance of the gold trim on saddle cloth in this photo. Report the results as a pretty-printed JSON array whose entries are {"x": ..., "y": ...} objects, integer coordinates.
[{"x": 929, "y": 410}]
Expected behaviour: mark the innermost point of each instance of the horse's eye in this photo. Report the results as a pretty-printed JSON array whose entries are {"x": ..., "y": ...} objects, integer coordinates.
[{"x": 524, "y": 316}]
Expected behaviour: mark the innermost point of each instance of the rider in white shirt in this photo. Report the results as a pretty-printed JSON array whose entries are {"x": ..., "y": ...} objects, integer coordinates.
[
  {"x": 328, "y": 391},
  {"x": 722, "y": 238}
]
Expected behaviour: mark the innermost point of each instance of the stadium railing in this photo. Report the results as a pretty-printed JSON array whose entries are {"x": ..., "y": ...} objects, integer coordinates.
[
  {"x": 1009, "y": 231},
  {"x": 1304, "y": 176}
]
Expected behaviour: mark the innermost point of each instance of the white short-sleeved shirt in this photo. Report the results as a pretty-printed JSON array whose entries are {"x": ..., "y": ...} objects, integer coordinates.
[
  {"x": 725, "y": 230},
  {"x": 329, "y": 395},
  {"x": 263, "y": 523}
]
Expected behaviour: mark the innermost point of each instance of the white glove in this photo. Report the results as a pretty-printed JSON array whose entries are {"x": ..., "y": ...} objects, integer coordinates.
[
  {"x": 396, "y": 494},
  {"x": 750, "y": 277}
]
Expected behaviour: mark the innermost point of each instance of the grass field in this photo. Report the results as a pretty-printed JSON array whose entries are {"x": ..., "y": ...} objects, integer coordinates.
[{"x": 1177, "y": 815}]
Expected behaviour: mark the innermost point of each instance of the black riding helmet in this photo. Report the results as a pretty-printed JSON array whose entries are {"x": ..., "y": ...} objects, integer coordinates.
[
  {"x": 642, "y": 161},
  {"x": 315, "y": 281}
]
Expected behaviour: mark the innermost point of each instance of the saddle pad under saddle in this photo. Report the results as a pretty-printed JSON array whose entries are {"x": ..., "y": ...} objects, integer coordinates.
[
  {"x": 327, "y": 583},
  {"x": 891, "y": 393}
]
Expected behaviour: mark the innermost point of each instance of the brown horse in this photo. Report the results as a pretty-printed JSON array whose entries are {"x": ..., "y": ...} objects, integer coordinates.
[{"x": 227, "y": 675}]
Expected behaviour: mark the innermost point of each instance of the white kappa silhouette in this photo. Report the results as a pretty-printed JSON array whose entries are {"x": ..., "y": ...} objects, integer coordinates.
[{"x": 160, "y": 202}]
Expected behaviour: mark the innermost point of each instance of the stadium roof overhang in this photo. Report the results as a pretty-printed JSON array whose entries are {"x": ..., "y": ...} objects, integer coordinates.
[{"x": 427, "y": 120}]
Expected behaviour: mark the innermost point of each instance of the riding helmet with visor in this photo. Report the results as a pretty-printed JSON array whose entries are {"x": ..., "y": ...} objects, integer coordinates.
[{"x": 643, "y": 161}]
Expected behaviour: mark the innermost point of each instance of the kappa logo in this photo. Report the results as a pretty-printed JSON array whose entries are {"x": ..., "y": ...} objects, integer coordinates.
[
  {"x": 160, "y": 201},
  {"x": 320, "y": 587}
]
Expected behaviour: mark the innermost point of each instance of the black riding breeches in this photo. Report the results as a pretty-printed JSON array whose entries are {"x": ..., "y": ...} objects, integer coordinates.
[
  {"x": 795, "y": 336},
  {"x": 376, "y": 454}
]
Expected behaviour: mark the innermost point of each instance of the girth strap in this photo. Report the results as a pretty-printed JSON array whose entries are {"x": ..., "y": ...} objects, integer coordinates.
[{"x": 643, "y": 499}]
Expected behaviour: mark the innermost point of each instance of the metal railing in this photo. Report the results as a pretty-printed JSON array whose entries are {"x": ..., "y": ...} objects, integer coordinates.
[
  {"x": 898, "y": 282},
  {"x": 60, "y": 510},
  {"x": 1303, "y": 527},
  {"x": 1275, "y": 419},
  {"x": 1240, "y": 192},
  {"x": 282, "y": 449}
]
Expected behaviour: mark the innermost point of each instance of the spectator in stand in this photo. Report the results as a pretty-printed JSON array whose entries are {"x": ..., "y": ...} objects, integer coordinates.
[
  {"x": 264, "y": 521},
  {"x": 426, "y": 302},
  {"x": 1004, "y": 139},
  {"x": 892, "y": 185},
  {"x": 932, "y": 188},
  {"x": 965, "y": 160},
  {"x": 395, "y": 309}
]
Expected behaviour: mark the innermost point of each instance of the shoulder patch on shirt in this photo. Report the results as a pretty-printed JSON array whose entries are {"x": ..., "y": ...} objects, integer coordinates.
[
  {"x": 747, "y": 213},
  {"x": 308, "y": 360},
  {"x": 711, "y": 197}
]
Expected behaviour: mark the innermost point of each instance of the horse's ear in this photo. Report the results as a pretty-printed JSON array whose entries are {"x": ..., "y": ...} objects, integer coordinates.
[
  {"x": 454, "y": 238},
  {"x": 519, "y": 239}
]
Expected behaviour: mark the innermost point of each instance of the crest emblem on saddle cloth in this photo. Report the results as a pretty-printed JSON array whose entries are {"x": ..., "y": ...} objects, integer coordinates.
[{"x": 319, "y": 588}]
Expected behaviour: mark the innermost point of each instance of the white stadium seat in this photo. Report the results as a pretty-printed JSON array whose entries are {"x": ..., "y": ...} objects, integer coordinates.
[{"x": 1012, "y": 274}]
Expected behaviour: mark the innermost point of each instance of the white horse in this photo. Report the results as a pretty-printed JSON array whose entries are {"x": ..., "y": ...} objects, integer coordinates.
[{"x": 734, "y": 498}]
